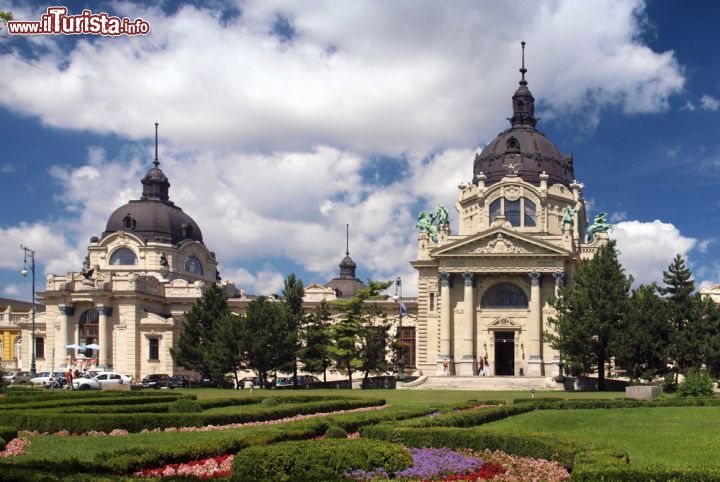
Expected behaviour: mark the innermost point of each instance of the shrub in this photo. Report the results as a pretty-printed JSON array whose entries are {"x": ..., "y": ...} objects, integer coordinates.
[
  {"x": 8, "y": 433},
  {"x": 696, "y": 384},
  {"x": 335, "y": 432},
  {"x": 326, "y": 460},
  {"x": 271, "y": 402},
  {"x": 184, "y": 405},
  {"x": 669, "y": 384}
]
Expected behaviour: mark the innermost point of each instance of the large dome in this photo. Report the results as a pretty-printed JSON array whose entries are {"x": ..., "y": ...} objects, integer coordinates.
[
  {"x": 154, "y": 217},
  {"x": 522, "y": 149}
]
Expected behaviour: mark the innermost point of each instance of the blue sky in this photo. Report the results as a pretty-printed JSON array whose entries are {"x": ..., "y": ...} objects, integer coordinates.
[{"x": 282, "y": 121}]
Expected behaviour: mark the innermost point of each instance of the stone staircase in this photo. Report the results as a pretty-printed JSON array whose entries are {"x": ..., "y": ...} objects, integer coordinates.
[{"x": 482, "y": 383}]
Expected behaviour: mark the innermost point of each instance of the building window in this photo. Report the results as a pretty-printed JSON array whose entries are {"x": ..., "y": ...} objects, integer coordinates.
[
  {"x": 512, "y": 212},
  {"x": 154, "y": 349},
  {"x": 406, "y": 341},
  {"x": 39, "y": 347},
  {"x": 529, "y": 213},
  {"x": 192, "y": 265},
  {"x": 431, "y": 302},
  {"x": 88, "y": 327},
  {"x": 495, "y": 209},
  {"x": 519, "y": 213},
  {"x": 123, "y": 257},
  {"x": 504, "y": 295}
]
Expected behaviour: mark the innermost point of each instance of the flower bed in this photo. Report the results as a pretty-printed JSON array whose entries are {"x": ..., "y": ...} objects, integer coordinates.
[
  {"x": 14, "y": 448},
  {"x": 202, "y": 469}
]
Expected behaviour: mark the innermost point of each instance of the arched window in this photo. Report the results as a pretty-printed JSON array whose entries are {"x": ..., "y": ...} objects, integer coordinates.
[
  {"x": 495, "y": 209},
  {"x": 18, "y": 351},
  {"x": 504, "y": 295},
  {"x": 529, "y": 213},
  {"x": 123, "y": 257},
  {"x": 193, "y": 265},
  {"x": 519, "y": 213}
]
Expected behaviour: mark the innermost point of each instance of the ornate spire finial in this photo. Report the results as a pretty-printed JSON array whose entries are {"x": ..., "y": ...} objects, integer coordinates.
[
  {"x": 522, "y": 68},
  {"x": 347, "y": 240},
  {"x": 156, "y": 162}
]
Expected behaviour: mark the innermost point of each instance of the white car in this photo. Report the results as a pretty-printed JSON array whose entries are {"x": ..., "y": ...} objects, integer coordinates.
[
  {"x": 102, "y": 378},
  {"x": 44, "y": 378}
]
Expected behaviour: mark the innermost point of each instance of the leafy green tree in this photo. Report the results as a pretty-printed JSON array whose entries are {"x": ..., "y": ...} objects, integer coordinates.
[
  {"x": 264, "y": 331},
  {"x": 375, "y": 341},
  {"x": 293, "y": 299},
  {"x": 226, "y": 351},
  {"x": 314, "y": 354},
  {"x": 705, "y": 330},
  {"x": 642, "y": 348},
  {"x": 6, "y": 16},
  {"x": 351, "y": 334},
  {"x": 590, "y": 313},
  {"x": 196, "y": 340}
]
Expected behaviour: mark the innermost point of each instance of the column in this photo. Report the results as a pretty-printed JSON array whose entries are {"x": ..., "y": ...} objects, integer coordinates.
[
  {"x": 557, "y": 365},
  {"x": 444, "y": 362},
  {"x": 535, "y": 367},
  {"x": 61, "y": 338},
  {"x": 559, "y": 282},
  {"x": 467, "y": 366},
  {"x": 103, "y": 336}
]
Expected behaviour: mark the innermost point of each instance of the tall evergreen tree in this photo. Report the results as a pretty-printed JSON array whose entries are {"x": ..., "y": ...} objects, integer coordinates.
[
  {"x": 196, "y": 339},
  {"x": 643, "y": 347},
  {"x": 679, "y": 288},
  {"x": 349, "y": 334},
  {"x": 293, "y": 299},
  {"x": 708, "y": 314},
  {"x": 226, "y": 351},
  {"x": 589, "y": 313},
  {"x": 264, "y": 331},
  {"x": 314, "y": 353}
]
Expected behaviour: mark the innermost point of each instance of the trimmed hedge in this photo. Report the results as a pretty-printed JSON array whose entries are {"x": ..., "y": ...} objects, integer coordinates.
[
  {"x": 326, "y": 460},
  {"x": 94, "y": 401},
  {"x": 469, "y": 418},
  {"x": 8, "y": 433},
  {"x": 135, "y": 422},
  {"x": 654, "y": 473},
  {"x": 560, "y": 404},
  {"x": 34, "y": 395}
]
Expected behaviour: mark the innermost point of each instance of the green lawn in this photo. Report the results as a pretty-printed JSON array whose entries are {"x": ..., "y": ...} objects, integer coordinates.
[{"x": 663, "y": 435}]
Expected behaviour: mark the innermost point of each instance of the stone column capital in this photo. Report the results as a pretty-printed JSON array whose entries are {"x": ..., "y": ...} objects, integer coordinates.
[
  {"x": 105, "y": 310},
  {"x": 445, "y": 279},
  {"x": 67, "y": 310},
  {"x": 469, "y": 278},
  {"x": 535, "y": 278},
  {"x": 559, "y": 278}
]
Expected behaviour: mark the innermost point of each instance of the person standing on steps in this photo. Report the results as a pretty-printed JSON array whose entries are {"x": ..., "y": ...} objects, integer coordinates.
[{"x": 481, "y": 366}]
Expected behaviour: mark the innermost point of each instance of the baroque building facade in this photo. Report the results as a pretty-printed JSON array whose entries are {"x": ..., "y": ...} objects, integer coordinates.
[
  {"x": 522, "y": 232},
  {"x": 124, "y": 310}
]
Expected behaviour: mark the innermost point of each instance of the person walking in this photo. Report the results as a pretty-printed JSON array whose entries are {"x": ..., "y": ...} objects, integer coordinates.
[
  {"x": 446, "y": 367},
  {"x": 486, "y": 366},
  {"x": 481, "y": 366}
]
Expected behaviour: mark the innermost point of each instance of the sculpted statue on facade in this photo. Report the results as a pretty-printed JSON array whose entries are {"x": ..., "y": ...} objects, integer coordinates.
[
  {"x": 568, "y": 217},
  {"x": 599, "y": 225}
]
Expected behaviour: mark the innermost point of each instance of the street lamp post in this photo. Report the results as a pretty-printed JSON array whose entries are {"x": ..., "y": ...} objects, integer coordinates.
[
  {"x": 29, "y": 253},
  {"x": 398, "y": 299}
]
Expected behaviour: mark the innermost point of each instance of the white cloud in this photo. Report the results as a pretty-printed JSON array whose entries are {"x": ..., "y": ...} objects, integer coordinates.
[
  {"x": 709, "y": 102},
  {"x": 647, "y": 248},
  {"x": 400, "y": 76},
  {"x": 616, "y": 217},
  {"x": 13, "y": 289},
  {"x": 689, "y": 106},
  {"x": 265, "y": 282}
]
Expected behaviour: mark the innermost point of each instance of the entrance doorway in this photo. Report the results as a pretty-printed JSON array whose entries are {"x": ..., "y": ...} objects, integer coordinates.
[{"x": 505, "y": 353}]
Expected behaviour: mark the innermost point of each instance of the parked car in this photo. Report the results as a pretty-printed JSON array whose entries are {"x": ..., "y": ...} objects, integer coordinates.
[
  {"x": 102, "y": 378},
  {"x": 245, "y": 383},
  {"x": 156, "y": 380},
  {"x": 303, "y": 381},
  {"x": 44, "y": 378},
  {"x": 17, "y": 378},
  {"x": 208, "y": 382},
  {"x": 179, "y": 381}
]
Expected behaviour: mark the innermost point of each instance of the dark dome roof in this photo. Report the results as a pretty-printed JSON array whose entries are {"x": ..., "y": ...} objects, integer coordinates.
[
  {"x": 347, "y": 284},
  {"x": 522, "y": 147},
  {"x": 154, "y": 217},
  {"x": 154, "y": 221}
]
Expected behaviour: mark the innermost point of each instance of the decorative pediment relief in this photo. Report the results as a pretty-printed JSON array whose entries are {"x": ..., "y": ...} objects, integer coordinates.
[
  {"x": 504, "y": 321},
  {"x": 500, "y": 245}
]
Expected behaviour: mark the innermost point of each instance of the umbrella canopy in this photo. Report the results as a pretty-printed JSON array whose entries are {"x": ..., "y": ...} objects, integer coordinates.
[
  {"x": 93, "y": 346},
  {"x": 75, "y": 346}
]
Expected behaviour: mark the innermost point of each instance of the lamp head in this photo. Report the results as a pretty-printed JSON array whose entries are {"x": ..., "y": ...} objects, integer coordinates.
[
  {"x": 396, "y": 297},
  {"x": 24, "y": 272}
]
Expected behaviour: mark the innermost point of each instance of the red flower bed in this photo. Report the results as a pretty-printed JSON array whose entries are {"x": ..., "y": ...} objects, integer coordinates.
[
  {"x": 202, "y": 469},
  {"x": 487, "y": 472}
]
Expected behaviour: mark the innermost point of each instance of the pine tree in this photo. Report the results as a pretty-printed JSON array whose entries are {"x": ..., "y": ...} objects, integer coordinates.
[
  {"x": 682, "y": 305},
  {"x": 196, "y": 339},
  {"x": 226, "y": 351},
  {"x": 349, "y": 334},
  {"x": 643, "y": 347},
  {"x": 314, "y": 353},
  {"x": 264, "y": 334},
  {"x": 589, "y": 314},
  {"x": 293, "y": 299}
]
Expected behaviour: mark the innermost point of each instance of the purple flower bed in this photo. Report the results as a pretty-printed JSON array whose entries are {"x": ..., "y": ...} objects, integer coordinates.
[{"x": 427, "y": 464}]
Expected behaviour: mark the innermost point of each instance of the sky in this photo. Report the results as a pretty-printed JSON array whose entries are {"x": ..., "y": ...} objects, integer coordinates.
[{"x": 280, "y": 122}]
